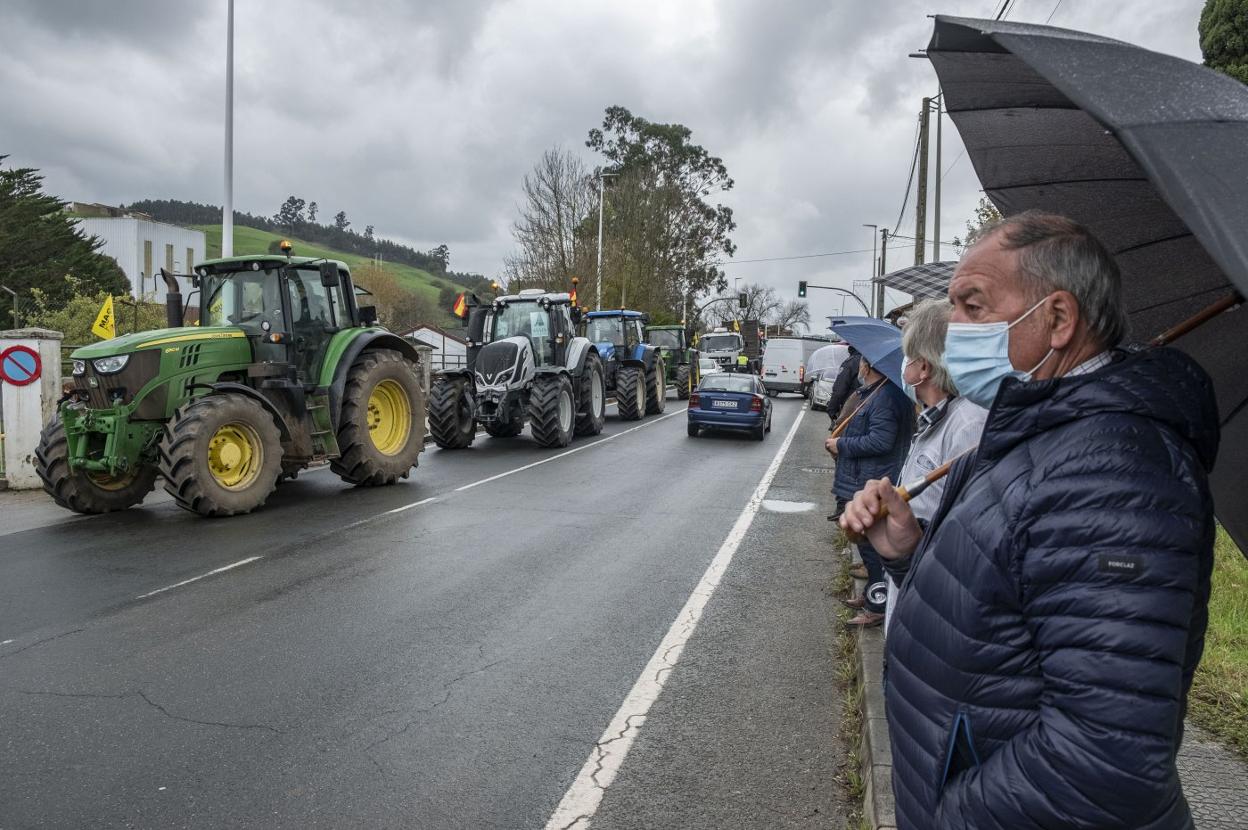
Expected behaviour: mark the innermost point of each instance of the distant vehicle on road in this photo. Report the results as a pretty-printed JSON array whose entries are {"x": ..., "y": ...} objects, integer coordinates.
[
  {"x": 784, "y": 363},
  {"x": 680, "y": 361},
  {"x": 822, "y": 369},
  {"x": 730, "y": 401},
  {"x": 634, "y": 369},
  {"x": 707, "y": 366}
]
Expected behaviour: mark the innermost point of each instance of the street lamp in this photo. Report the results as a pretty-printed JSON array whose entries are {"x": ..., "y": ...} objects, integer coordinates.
[{"x": 602, "y": 192}]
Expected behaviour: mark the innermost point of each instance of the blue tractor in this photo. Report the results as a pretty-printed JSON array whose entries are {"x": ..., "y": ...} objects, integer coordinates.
[{"x": 634, "y": 368}]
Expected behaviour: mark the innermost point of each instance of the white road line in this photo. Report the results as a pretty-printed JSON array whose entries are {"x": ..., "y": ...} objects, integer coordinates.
[
  {"x": 567, "y": 453},
  {"x": 581, "y": 801},
  {"x": 214, "y": 572}
]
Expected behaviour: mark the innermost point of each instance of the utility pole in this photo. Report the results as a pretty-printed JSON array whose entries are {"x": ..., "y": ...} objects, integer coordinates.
[
  {"x": 872, "y": 282},
  {"x": 227, "y": 211},
  {"x": 920, "y": 206},
  {"x": 940, "y": 107},
  {"x": 879, "y": 286},
  {"x": 602, "y": 191}
]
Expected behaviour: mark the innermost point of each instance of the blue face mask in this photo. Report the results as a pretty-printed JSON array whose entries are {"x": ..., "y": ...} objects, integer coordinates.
[
  {"x": 911, "y": 391},
  {"x": 978, "y": 357}
]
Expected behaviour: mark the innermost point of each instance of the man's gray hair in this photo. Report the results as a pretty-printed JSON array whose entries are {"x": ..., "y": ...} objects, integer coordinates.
[
  {"x": 923, "y": 338},
  {"x": 1059, "y": 254}
]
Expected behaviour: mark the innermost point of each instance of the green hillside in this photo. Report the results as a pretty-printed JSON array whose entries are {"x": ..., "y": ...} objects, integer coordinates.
[{"x": 254, "y": 241}]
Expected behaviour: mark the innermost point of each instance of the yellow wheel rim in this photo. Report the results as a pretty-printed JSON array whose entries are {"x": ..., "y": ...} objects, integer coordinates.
[
  {"x": 235, "y": 456},
  {"x": 389, "y": 417}
]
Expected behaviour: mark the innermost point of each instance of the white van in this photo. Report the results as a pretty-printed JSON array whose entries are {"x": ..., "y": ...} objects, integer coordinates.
[{"x": 784, "y": 363}]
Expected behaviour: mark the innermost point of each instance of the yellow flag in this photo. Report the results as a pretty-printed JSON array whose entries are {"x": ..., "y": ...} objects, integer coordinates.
[{"x": 105, "y": 326}]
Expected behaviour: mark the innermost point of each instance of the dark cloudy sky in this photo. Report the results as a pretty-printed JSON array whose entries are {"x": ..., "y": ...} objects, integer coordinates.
[{"x": 421, "y": 117}]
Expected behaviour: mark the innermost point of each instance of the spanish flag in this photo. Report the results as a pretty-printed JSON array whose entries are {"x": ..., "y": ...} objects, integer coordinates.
[
  {"x": 574, "y": 296},
  {"x": 461, "y": 306}
]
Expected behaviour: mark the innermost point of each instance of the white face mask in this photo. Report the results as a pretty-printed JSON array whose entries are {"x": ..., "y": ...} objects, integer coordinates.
[
  {"x": 978, "y": 357},
  {"x": 912, "y": 392}
]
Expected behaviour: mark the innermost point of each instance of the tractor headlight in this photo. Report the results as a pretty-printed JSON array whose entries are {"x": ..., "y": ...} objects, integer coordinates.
[
  {"x": 80, "y": 367},
  {"x": 111, "y": 365}
]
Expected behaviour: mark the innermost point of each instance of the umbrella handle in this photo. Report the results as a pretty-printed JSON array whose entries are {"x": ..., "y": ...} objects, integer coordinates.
[
  {"x": 909, "y": 491},
  {"x": 1198, "y": 319}
]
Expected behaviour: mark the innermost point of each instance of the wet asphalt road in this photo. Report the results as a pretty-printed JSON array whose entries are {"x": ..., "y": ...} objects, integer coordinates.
[{"x": 439, "y": 654}]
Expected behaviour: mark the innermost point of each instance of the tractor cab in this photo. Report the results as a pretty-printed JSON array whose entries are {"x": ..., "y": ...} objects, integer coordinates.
[
  {"x": 544, "y": 319},
  {"x": 615, "y": 332},
  {"x": 289, "y": 308}
]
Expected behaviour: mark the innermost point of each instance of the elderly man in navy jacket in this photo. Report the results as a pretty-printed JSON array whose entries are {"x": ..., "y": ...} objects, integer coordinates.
[{"x": 1053, "y": 612}]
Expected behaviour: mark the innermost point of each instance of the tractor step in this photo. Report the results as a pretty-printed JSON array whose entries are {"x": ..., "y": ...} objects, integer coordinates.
[{"x": 324, "y": 439}]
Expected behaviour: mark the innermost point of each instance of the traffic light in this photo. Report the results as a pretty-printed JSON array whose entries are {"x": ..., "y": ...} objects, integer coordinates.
[
  {"x": 742, "y": 300},
  {"x": 801, "y": 288}
]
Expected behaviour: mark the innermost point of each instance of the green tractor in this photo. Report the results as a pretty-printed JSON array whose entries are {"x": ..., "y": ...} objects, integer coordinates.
[
  {"x": 681, "y": 360},
  {"x": 282, "y": 370}
]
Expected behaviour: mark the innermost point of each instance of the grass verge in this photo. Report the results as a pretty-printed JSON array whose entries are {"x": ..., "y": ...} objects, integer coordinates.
[
  {"x": 1219, "y": 696},
  {"x": 850, "y": 682}
]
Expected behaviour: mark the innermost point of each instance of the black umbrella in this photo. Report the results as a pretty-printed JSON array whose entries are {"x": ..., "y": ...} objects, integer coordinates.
[{"x": 1148, "y": 151}]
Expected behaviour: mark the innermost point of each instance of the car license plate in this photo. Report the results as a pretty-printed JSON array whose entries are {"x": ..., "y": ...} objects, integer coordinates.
[{"x": 724, "y": 404}]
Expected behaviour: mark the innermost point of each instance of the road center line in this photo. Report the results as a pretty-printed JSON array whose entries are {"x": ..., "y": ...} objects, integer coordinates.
[
  {"x": 580, "y": 802},
  {"x": 566, "y": 453},
  {"x": 213, "y": 572}
]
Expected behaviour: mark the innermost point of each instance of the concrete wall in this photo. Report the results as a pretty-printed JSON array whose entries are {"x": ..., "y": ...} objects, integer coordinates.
[
  {"x": 125, "y": 240},
  {"x": 25, "y": 409}
]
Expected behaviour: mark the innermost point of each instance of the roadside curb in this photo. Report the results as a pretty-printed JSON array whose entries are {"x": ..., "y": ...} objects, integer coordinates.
[{"x": 878, "y": 808}]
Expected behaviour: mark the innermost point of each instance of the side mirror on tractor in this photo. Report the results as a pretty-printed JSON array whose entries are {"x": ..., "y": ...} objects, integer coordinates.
[
  {"x": 368, "y": 315},
  {"x": 329, "y": 274}
]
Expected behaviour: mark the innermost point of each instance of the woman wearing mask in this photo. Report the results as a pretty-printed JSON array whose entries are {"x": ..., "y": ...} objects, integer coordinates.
[
  {"x": 873, "y": 445},
  {"x": 947, "y": 424}
]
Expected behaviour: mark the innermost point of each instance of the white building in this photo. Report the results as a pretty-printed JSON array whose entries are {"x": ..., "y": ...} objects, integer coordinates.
[
  {"x": 141, "y": 245},
  {"x": 449, "y": 350}
]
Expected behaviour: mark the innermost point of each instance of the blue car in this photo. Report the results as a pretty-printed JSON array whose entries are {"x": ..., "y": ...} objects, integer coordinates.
[{"x": 730, "y": 401}]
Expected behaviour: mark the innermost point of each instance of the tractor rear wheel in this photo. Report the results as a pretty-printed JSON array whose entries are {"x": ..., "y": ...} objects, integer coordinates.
[
  {"x": 656, "y": 387},
  {"x": 593, "y": 406},
  {"x": 82, "y": 491},
  {"x": 630, "y": 393},
  {"x": 451, "y": 414},
  {"x": 682, "y": 381},
  {"x": 552, "y": 412},
  {"x": 381, "y": 427},
  {"x": 508, "y": 430},
  {"x": 221, "y": 455}
]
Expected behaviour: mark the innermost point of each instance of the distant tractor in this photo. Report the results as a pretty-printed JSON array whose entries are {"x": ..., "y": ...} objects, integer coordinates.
[
  {"x": 525, "y": 364},
  {"x": 680, "y": 360},
  {"x": 282, "y": 370},
  {"x": 634, "y": 368}
]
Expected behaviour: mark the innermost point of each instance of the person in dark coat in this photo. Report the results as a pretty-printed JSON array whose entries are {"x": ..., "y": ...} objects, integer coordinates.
[
  {"x": 845, "y": 384},
  {"x": 873, "y": 445},
  {"x": 1053, "y": 612}
]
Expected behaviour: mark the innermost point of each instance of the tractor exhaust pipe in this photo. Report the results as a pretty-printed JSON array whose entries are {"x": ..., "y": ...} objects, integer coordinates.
[{"x": 173, "y": 300}]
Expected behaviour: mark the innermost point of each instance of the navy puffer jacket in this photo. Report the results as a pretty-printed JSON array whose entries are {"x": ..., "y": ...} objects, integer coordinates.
[
  {"x": 1048, "y": 627},
  {"x": 875, "y": 440}
]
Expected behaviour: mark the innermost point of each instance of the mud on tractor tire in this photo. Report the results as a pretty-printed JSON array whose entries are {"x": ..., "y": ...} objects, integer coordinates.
[
  {"x": 630, "y": 393},
  {"x": 381, "y": 427},
  {"x": 656, "y": 387},
  {"x": 682, "y": 381},
  {"x": 452, "y": 420},
  {"x": 552, "y": 410},
  {"x": 221, "y": 455},
  {"x": 82, "y": 491},
  {"x": 592, "y": 412}
]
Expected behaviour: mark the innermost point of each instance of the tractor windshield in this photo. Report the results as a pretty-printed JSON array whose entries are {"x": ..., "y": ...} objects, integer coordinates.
[
  {"x": 666, "y": 339},
  {"x": 241, "y": 298},
  {"x": 521, "y": 319},
  {"x": 605, "y": 330}
]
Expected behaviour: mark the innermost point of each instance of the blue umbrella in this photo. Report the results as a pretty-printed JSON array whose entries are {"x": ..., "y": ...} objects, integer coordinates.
[{"x": 878, "y": 341}]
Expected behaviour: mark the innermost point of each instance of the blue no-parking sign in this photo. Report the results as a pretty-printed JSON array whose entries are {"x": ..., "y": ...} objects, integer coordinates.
[{"x": 20, "y": 365}]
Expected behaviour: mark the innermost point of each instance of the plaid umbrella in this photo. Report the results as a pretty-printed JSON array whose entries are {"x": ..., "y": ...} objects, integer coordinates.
[{"x": 923, "y": 281}]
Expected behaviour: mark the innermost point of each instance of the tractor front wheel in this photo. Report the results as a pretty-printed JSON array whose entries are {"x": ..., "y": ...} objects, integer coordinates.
[
  {"x": 682, "y": 382},
  {"x": 452, "y": 421},
  {"x": 630, "y": 393},
  {"x": 552, "y": 412},
  {"x": 593, "y": 409},
  {"x": 656, "y": 387},
  {"x": 221, "y": 455},
  {"x": 82, "y": 491},
  {"x": 381, "y": 428}
]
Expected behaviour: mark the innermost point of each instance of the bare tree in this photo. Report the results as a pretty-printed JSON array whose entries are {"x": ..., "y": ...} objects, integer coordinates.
[
  {"x": 761, "y": 303},
  {"x": 792, "y": 315},
  {"x": 553, "y": 233}
]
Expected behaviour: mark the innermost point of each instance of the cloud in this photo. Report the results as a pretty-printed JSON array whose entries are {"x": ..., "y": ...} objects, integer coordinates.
[{"x": 422, "y": 119}]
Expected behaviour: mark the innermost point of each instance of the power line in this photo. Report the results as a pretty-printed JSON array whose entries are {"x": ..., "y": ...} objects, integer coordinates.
[
  {"x": 955, "y": 163},
  {"x": 1055, "y": 8},
  {"x": 910, "y": 180},
  {"x": 800, "y": 256}
]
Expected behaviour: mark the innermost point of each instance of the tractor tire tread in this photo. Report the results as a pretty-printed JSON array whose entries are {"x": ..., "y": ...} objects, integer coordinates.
[
  {"x": 544, "y": 410},
  {"x": 358, "y": 462},
  {"x": 626, "y": 380},
  {"x": 681, "y": 380},
  {"x": 588, "y": 422},
  {"x": 444, "y": 424}
]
